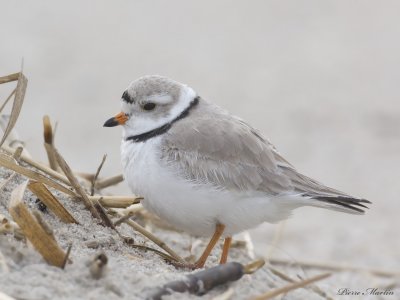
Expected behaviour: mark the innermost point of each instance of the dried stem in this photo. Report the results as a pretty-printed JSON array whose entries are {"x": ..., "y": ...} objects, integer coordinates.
[
  {"x": 290, "y": 287},
  {"x": 66, "y": 256},
  {"x": 153, "y": 238},
  {"x": 116, "y": 201},
  {"x": 9, "y": 163},
  {"x": 17, "y": 105},
  {"x": 26, "y": 159},
  {"x": 102, "y": 184},
  {"x": 97, "y": 175},
  {"x": 8, "y": 99},
  {"x": 334, "y": 267},
  {"x": 49, "y": 142},
  {"x": 9, "y": 78},
  {"x": 75, "y": 184}
]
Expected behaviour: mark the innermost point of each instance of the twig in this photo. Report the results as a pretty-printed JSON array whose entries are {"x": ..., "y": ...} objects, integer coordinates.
[
  {"x": 334, "y": 267},
  {"x": 158, "y": 252},
  {"x": 102, "y": 184},
  {"x": 314, "y": 288},
  {"x": 153, "y": 238},
  {"x": 75, "y": 184},
  {"x": 116, "y": 201},
  {"x": 9, "y": 163},
  {"x": 97, "y": 175},
  {"x": 8, "y": 99},
  {"x": 26, "y": 159},
  {"x": 67, "y": 256},
  {"x": 290, "y": 287},
  {"x": 9, "y": 78},
  {"x": 103, "y": 215}
]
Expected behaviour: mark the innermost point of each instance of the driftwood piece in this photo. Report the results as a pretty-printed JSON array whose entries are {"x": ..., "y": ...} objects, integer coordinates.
[
  {"x": 201, "y": 282},
  {"x": 40, "y": 237},
  {"x": 40, "y": 190}
]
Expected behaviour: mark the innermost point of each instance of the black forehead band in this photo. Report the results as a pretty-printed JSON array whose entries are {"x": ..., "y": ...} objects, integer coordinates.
[{"x": 127, "y": 98}]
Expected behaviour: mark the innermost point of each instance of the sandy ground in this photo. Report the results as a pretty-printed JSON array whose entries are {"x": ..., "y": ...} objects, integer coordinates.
[{"x": 319, "y": 79}]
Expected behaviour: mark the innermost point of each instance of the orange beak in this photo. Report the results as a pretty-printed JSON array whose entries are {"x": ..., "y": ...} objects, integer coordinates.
[{"x": 119, "y": 119}]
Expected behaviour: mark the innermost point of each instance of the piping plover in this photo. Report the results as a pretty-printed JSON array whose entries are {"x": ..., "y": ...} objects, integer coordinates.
[{"x": 205, "y": 171}]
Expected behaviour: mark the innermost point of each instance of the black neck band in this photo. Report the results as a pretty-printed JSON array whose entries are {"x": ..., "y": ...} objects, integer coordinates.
[{"x": 162, "y": 129}]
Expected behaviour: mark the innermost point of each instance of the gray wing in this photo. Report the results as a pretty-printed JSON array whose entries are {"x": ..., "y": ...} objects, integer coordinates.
[{"x": 212, "y": 146}]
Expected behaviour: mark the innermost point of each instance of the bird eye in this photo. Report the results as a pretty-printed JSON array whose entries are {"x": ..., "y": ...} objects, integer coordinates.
[{"x": 149, "y": 106}]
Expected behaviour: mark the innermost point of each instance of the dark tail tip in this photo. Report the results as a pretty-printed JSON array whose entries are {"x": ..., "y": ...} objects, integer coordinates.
[{"x": 351, "y": 203}]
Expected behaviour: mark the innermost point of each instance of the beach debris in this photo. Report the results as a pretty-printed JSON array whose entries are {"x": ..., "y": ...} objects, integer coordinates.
[
  {"x": 49, "y": 142},
  {"x": 75, "y": 184},
  {"x": 19, "y": 94},
  {"x": 116, "y": 201},
  {"x": 201, "y": 282},
  {"x": 66, "y": 258},
  {"x": 10, "y": 163},
  {"x": 46, "y": 197},
  {"x": 291, "y": 287},
  {"x": 94, "y": 179},
  {"x": 333, "y": 267},
  {"x": 107, "y": 182},
  {"x": 97, "y": 265},
  {"x": 126, "y": 219},
  {"x": 40, "y": 235},
  {"x": 8, "y": 226}
]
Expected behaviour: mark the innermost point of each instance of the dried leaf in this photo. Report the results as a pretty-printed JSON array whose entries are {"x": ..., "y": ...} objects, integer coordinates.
[
  {"x": 40, "y": 238},
  {"x": 17, "y": 105}
]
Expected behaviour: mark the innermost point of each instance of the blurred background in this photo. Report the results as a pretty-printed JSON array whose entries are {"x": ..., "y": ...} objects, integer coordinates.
[{"x": 320, "y": 79}]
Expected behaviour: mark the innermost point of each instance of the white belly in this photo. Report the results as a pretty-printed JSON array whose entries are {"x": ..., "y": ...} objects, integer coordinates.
[{"x": 193, "y": 208}]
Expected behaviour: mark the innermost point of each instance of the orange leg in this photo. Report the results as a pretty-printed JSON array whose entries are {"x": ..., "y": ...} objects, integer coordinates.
[
  {"x": 225, "y": 250},
  {"x": 217, "y": 234}
]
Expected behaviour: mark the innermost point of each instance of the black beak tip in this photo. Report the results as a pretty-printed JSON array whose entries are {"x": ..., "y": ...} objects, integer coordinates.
[{"x": 111, "y": 122}]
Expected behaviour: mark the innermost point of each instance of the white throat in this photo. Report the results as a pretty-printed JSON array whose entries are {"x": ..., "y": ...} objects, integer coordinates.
[{"x": 139, "y": 125}]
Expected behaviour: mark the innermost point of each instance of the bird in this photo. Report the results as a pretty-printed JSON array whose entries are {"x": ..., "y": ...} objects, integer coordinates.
[{"x": 207, "y": 172}]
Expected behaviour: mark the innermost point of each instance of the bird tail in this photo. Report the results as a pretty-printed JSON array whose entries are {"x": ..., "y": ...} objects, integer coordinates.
[{"x": 340, "y": 203}]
